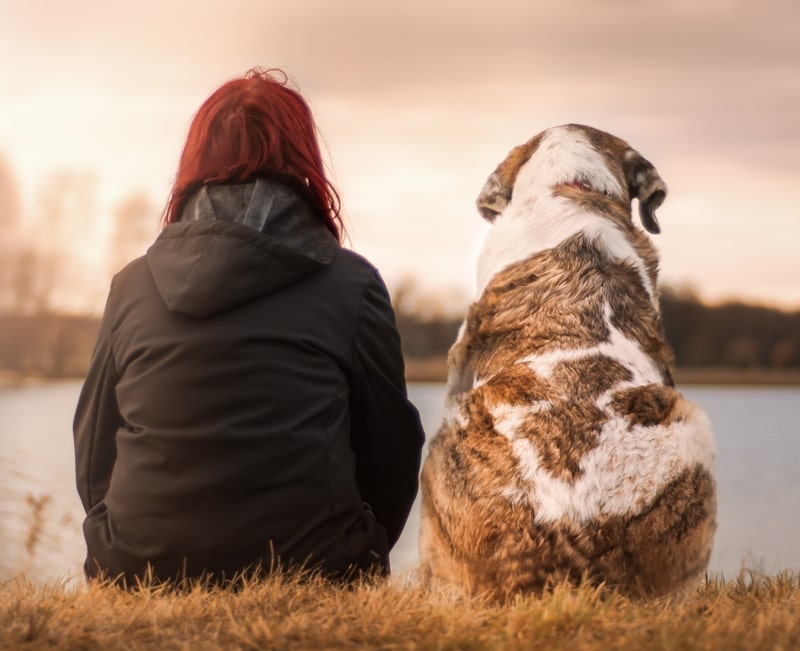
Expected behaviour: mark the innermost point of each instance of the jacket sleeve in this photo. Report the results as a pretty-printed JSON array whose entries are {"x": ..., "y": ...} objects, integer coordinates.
[
  {"x": 387, "y": 435},
  {"x": 97, "y": 420}
]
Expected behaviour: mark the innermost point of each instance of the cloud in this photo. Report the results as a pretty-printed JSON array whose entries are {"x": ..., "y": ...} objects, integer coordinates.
[{"x": 419, "y": 100}]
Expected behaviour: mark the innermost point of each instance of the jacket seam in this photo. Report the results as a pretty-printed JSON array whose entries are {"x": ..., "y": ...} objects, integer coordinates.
[{"x": 359, "y": 317}]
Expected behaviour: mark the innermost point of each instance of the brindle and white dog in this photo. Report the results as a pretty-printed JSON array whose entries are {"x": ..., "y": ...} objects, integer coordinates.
[{"x": 566, "y": 451}]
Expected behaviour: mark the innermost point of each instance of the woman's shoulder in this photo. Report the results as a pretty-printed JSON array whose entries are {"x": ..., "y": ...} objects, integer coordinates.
[
  {"x": 129, "y": 274},
  {"x": 355, "y": 264}
]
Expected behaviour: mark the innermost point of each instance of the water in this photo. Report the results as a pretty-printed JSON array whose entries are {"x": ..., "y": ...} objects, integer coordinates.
[
  {"x": 37, "y": 468},
  {"x": 758, "y": 475}
]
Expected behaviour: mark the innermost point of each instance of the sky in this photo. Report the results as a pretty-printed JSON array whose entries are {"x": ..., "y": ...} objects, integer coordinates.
[{"x": 418, "y": 101}]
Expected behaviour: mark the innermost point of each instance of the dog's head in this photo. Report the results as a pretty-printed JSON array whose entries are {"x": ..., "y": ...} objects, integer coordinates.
[{"x": 579, "y": 157}]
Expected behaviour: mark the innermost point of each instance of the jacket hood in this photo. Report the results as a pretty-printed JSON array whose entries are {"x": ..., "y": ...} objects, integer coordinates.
[{"x": 236, "y": 243}]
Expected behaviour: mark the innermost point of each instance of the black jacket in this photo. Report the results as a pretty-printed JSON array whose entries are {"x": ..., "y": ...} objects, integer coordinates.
[{"x": 245, "y": 398}]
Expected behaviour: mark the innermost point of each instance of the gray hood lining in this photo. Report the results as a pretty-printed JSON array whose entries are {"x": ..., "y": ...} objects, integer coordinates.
[{"x": 275, "y": 209}]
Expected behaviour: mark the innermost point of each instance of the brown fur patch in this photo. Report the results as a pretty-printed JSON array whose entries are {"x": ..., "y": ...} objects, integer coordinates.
[
  {"x": 475, "y": 468},
  {"x": 562, "y": 437},
  {"x": 522, "y": 310},
  {"x": 555, "y": 301},
  {"x": 568, "y": 431},
  {"x": 649, "y": 405},
  {"x": 647, "y": 554},
  {"x": 516, "y": 385}
]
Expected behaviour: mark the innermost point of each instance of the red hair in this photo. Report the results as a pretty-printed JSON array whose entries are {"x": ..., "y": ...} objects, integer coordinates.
[{"x": 255, "y": 127}]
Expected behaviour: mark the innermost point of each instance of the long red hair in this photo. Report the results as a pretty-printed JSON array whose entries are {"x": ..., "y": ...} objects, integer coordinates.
[{"x": 255, "y": 127}]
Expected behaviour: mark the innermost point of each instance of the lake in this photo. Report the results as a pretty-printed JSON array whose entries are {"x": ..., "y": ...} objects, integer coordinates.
[{"x": 758, "y": 479}]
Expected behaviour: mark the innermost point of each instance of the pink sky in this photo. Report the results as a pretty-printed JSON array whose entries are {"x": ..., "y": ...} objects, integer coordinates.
[{"x": 418, "y": 101}]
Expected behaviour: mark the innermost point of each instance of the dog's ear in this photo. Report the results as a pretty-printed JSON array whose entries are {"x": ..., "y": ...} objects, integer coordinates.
[
  {"x": 497, "y": 190},
  {"x": 494, "y": 196},
  {"x": 646, "y": 185}
]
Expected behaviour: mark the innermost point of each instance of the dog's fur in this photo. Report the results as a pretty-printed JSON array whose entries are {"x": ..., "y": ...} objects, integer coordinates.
[{"x": 566, "y": 451}]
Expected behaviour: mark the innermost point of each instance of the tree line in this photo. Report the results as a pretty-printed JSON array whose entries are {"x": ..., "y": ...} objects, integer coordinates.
[
  {"x": 731, "y": 335},
  {"x": 57, "y": 257}
]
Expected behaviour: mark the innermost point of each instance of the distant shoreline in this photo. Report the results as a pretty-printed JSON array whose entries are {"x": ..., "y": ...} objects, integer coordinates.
[
  {"x": 434, "y": 370},
  {"x": 738, "y": 377},
  {"x": 16, "y": 380}
]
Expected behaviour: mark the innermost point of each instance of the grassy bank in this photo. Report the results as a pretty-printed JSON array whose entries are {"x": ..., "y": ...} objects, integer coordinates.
[{"x": 749, "y": 613}]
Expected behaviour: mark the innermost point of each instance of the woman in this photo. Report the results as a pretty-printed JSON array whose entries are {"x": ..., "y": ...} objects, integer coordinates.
[{"x": 246, "y": 404}]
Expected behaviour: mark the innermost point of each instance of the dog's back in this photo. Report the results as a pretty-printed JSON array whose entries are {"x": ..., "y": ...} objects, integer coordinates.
[{"x": 565, "y": 450}]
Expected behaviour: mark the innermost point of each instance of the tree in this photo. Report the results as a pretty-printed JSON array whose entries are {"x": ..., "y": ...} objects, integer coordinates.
[
  {"x": 9, "y": 234},
  {"x": 132, "y": 230}
]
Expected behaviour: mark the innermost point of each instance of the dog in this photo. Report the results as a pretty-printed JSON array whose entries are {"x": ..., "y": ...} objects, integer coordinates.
[{"x": 565, "y": 452}]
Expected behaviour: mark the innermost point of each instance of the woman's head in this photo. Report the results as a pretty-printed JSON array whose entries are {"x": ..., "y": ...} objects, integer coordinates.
[{"x": 251, "y": 127}]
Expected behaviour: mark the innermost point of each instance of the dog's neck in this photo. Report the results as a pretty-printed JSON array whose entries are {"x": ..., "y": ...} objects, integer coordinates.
[{"x": 521, "y": 232}]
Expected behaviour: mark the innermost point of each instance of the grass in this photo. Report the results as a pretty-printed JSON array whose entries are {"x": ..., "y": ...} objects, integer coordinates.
[{"x": 751, "y": 612}]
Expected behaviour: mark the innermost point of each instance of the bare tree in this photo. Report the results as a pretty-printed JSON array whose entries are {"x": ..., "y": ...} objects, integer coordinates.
[
  {"x": 9, "y": 200},
  {"x": 65, "y": 246},
  {"x": 134, "y": 225},
  {"x": 9, "y": 234}
]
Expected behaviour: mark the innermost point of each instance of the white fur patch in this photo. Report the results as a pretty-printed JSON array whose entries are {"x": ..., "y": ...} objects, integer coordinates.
[
  {"x": 453, "y": 417},
  {"x": 550, "y": 221},
  {"x": 621, "y": 475},
  {"x": 562, "y": 155},
  {"x": 508, "y": 419},
  {"x": 630, "y": 465}
]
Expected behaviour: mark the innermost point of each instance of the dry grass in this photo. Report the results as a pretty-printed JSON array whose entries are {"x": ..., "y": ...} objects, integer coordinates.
[{"x": 284, "y": 613}]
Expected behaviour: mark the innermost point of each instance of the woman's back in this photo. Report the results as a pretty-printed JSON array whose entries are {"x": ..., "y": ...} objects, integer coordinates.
[{"x": 260, "y": 396}]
